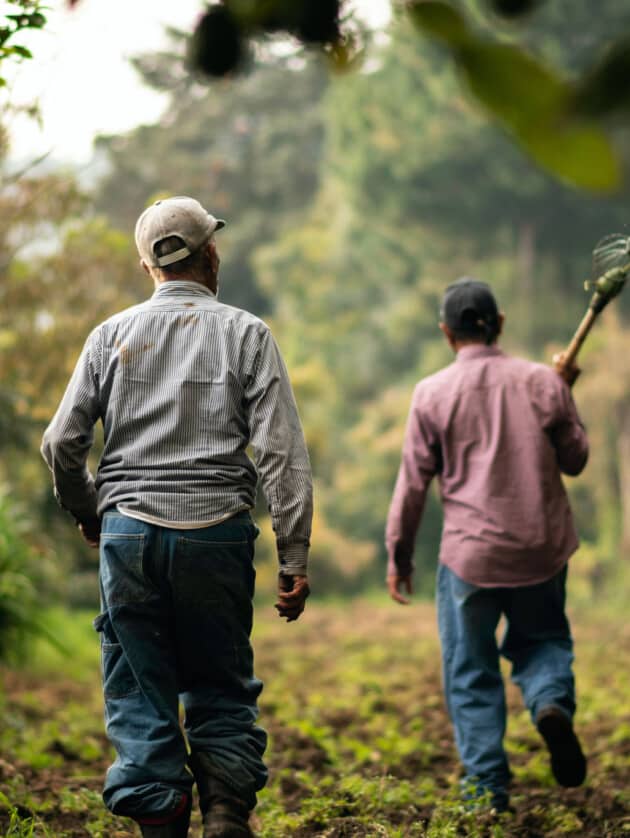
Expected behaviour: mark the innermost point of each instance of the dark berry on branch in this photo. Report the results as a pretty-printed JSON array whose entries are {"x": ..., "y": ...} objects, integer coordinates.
[
  {"x": 318, "y": 21},
  {"x": 215, "y": 46},
  {"x": 513, "y": 8}
]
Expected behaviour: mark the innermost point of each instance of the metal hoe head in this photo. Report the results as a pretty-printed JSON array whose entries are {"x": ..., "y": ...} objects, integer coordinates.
[{"x": 611, "y": 265}]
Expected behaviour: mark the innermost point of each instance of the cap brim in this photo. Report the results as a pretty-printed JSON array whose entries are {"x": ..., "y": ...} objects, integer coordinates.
[{"x": 219, "y": 224}]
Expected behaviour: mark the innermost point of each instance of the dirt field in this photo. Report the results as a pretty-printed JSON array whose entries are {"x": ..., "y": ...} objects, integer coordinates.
[{"x": 360, "y": 744}]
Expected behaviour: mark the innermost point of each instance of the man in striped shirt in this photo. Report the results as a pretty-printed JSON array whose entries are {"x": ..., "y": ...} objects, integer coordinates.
[{"x": 183, "y": 385}]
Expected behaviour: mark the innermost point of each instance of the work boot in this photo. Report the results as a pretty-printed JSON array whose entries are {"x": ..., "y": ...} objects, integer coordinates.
[
  {"x": 176, "y": 828},
  {"x": 568, "y": 763},
  {"x": 225, "y": 815}
]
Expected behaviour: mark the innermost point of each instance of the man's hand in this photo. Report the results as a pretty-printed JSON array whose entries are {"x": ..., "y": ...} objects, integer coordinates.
[
  {"x": 292, "y": 594},
  {"x": 91, "y": 531},
  {"x": 567, "y": 372},
  {"x": 394, "y": 585}
]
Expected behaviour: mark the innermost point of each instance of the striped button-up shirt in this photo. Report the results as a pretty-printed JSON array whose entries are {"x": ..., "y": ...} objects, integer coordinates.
[{"x": 183, "y": 385}]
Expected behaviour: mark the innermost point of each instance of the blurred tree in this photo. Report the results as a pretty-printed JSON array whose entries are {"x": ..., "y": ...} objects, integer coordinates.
[
  {"x": 604, "y": 392},
  {"x": 417, "y": 190},
  {"x": 61, "y": 272},
  {"x": 562, "y": 123},
  {"x": 352, "y": 318},
  {"x": 411, "y": 145},
  {"x": 350, "y": 207},
  {"x": 538, "y": 106},
  {"x": 558, "y": 121},
  {"x": 20, "y": 613},
  {"x": 29, "y": 209},
  {"x": 249, "y": 149}
]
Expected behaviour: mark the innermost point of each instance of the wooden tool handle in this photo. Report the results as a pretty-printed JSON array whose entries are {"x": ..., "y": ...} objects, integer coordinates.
[{"x": 579, "y": 337}]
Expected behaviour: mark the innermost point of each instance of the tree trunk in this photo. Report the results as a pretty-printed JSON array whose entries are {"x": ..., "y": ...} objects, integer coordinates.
[
  {"x": 623, "y": 449},
  {"x": 525, "y": 260}
]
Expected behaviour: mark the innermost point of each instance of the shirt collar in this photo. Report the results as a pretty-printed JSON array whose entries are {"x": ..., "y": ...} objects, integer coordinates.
[
  {"x": 182, "y": 288},
  {"x": 478, "y": 350}
]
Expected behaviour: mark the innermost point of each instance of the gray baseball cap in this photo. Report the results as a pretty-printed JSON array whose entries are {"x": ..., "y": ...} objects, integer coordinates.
[{"x": 180, "y": 216}]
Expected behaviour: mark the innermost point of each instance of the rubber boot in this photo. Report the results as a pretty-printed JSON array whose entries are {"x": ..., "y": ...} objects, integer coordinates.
[
  {"x": 568, "y": 763},
  {"x": 176, "y": 828},
  {"x": 225, "y": 815}
]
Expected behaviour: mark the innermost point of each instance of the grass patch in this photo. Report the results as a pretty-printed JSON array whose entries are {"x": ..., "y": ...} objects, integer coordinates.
[{"x": 360, "y": 744}]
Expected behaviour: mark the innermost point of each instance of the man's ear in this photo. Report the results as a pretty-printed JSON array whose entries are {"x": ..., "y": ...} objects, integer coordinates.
[
  {"x": 145, "y": 267},
  {"x": 448, "y": 334},
  {"x": 501, "y": 322},
  {"x": 213, "y": 254}
]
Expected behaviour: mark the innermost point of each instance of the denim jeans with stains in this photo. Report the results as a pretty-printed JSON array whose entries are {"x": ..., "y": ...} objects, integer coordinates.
[
  {"x": 537, "y": 641},
  {"x": 175, "y": 625}
]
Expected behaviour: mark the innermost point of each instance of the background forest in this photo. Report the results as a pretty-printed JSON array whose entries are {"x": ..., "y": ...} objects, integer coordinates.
[{"x": 352, "y": 200}]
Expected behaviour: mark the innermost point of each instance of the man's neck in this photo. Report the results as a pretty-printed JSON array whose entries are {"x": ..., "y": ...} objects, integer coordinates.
[
  {"x": 208, "y": 282},
  {"x": 461, "y": 344}
]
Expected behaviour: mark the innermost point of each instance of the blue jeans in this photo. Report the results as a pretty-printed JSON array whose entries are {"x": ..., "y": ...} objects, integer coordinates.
[
  {"x": 175, "y": 623},
  {"x": 537, "y": 642}
]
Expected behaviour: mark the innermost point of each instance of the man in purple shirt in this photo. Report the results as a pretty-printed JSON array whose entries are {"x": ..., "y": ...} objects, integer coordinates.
[{"x": 498, "y": 432}]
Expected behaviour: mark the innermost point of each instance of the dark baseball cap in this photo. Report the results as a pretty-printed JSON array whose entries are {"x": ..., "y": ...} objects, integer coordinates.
[{"x": 469, "y": 306}]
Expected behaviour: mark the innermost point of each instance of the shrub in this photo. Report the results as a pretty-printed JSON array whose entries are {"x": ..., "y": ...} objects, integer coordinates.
[{"x": 19, "y": 606}]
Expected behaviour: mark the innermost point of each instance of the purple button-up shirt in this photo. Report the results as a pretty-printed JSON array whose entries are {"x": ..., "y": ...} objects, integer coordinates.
[{"x": 497, "y": 431}]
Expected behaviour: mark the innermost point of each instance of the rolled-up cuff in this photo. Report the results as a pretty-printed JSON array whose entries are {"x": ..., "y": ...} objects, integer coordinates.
[{"x": 293, "y": 560}]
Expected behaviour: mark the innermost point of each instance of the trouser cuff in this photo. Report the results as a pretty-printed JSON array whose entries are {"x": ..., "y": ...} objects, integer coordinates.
[{"x": 185, "y": 804}]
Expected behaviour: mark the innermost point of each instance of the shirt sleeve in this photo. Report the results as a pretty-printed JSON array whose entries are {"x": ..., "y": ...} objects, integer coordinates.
[
  {"x": 281, "y": 456},
  {"x": 568, "y": 434},
  {"x": 419, "y": 464},
  {"x": 69, "y": 437}
]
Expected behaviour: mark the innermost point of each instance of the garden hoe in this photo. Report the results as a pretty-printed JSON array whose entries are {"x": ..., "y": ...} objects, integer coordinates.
[{"x": 611, "y": 265}]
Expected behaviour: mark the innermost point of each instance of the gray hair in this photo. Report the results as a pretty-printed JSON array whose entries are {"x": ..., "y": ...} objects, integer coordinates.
[{"x": 194, "y": 266}]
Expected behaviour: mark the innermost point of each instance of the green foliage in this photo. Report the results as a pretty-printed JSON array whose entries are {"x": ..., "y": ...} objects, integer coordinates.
[
  {"x": 25, "y": 14},
  {"x": 63, "y": 271},
  {"x": 13, "y": 433},
  {"x": 564, "y": 124},
  {"x": 18, "y": 826},
  {"x": 530, "y": 99},
  {"x": 252, "y": 153},
  {"x": 351, "y": 202},
  {"x": 561, "y": 122},
  {"x": 19, "y": 605},
  {"x": 360, "y": 742},
  {"x": 411, "y": 200}
]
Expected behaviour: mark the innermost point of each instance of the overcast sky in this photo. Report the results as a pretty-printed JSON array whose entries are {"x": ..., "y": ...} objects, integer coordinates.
[{"x": 81, "y": 76}]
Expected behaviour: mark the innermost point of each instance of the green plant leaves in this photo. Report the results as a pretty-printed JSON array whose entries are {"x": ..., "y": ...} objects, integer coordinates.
[
  {"x": 29, "y": 18},
  {"x": 613, "y": 251},
  {"x": 530, "y": 100},
  {"x": 440, "y": 21}
]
